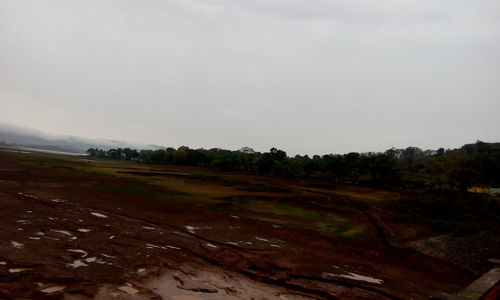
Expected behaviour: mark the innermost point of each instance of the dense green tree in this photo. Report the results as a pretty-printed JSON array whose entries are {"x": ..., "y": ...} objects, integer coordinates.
[
  {"x": 459, "y": 169},
  {"x": 180, "y": 156},
  {"x": 411, "y": 156},
  {"x": 130, "y": 154},
  {"x": 380, "y": 166},
  {"x": 462, "y": 172},
  {"x": 224, "y": 159}
]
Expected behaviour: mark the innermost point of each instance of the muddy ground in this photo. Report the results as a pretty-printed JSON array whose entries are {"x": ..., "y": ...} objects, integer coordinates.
[{"x": 73, "y": 228}]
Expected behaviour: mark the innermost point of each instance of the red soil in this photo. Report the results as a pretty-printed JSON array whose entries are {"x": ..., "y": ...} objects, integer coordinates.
[{"x": 54, "y": 233}]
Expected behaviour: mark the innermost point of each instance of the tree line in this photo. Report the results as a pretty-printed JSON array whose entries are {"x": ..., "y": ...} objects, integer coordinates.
[{"x": 456, "y": 169}]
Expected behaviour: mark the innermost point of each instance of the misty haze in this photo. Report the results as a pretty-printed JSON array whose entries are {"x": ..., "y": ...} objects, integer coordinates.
[{"x": 277, "y": 149}]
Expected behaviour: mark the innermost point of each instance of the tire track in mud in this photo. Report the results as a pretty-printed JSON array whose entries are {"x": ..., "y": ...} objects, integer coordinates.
[
  {"x": 348, "y": 284},
  {"x": 360, "y": 209},
  {"x": 76, "y": 211},
  {"x": 266, "y": 279},
  {"x": 236, "y": 251}
]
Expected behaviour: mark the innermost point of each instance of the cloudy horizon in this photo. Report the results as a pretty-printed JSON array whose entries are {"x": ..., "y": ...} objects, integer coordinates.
[{"x": 311, "y": 77}]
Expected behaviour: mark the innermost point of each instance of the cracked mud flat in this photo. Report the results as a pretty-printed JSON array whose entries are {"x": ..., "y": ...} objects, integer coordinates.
[{"x": 61, "y": 239}]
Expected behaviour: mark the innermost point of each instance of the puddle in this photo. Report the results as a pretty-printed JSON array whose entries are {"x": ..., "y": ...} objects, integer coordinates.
[
  {"x": 77, "y": 263},
  {"x": 128, "y": 289},
  {"x": 84, "y": 230},
  {"x": 211, "y": 245},
  {"x": 141, "y": 270},
  {"x": 111, "y": 237},
  {"x": 84, "y": 253},
  {"x": 16, "y": 244},
  {"x": 191, "y": 228},
  {"x": 151, "y": 246},
  {"x": 108, "y": 256},
  {"x": 236, "y": 217},
  {"x": 217, "y": 285},
  {"x": 362, "y": 278},
  {"x": 94, "y": 259},
  {"x": 62, "y": 232},
  {"x": 28, "y": 195},
  {"x": 275, "y": 246},
  {"x": 33, "y": 238},
  {"x": 98, "y": 215},
  {"x": 354, "y": 276},
  {"x": 53, "y": 289},
  {"x": 261, "y": 239},
  {"x": 17, "y": 270},
  {"x": 148, "y": 227}
]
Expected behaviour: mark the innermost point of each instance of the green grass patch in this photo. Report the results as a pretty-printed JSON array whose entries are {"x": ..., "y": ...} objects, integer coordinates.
[{"x": 326, "y": 223}]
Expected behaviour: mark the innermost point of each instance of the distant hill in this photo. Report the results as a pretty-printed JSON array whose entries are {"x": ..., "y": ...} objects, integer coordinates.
[{"x": 13, "y": 135}]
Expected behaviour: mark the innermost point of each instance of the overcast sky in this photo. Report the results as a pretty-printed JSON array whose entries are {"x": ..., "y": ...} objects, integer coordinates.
[{"x": 306, "y": 76}]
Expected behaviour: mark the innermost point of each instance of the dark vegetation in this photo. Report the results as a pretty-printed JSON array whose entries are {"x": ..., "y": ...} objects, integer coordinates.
[
  {"x": 434, "y": 185},
  {"x": 410, "y": 169}
]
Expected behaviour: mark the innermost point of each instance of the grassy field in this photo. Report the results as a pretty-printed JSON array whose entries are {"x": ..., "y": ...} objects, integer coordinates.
[{"x": 207, "y": 186}]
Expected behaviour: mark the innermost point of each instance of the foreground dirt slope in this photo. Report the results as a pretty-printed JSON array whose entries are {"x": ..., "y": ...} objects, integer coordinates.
[{"x": 72, "y": 229}]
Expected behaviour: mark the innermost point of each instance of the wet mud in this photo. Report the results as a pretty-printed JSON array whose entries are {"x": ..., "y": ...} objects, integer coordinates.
[{"x": 64, "y": 238}]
